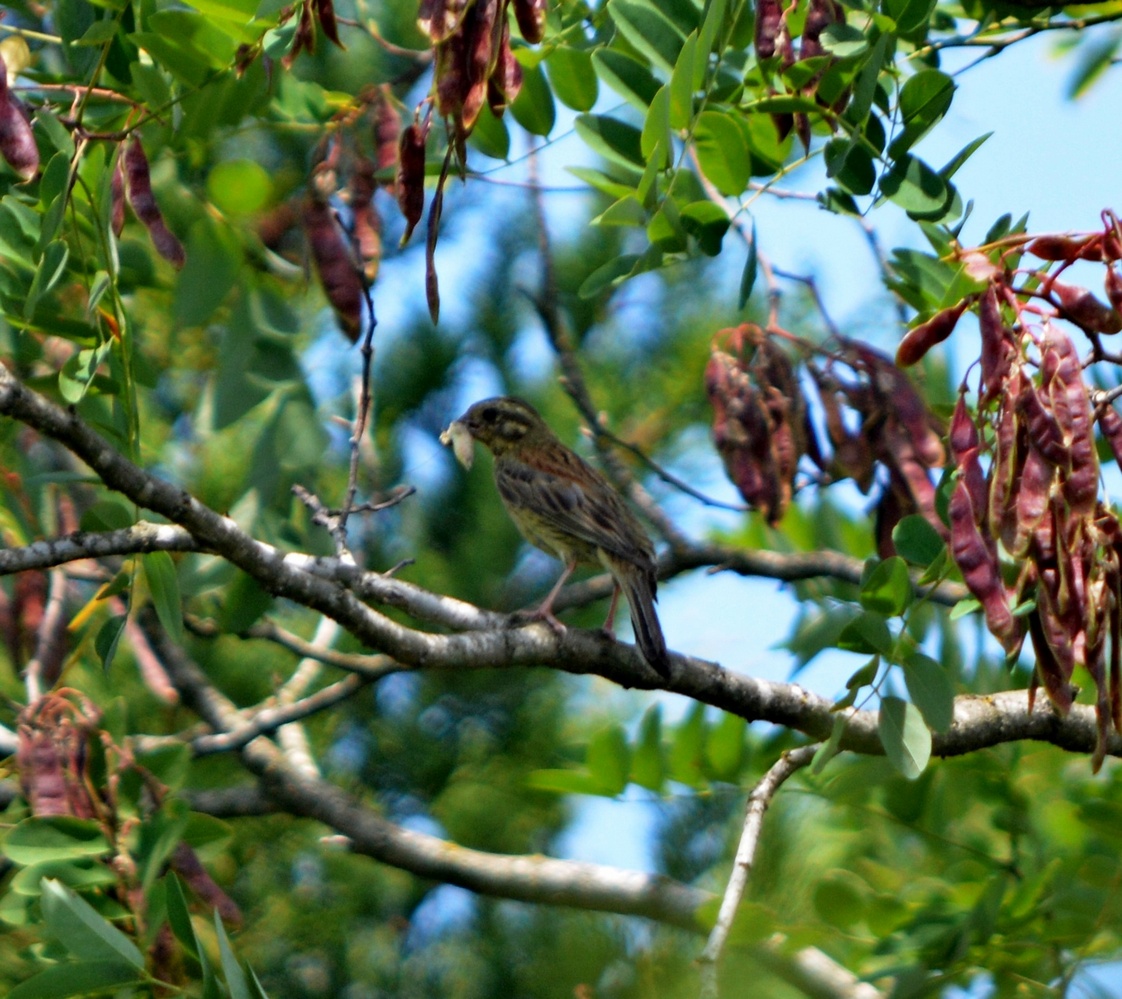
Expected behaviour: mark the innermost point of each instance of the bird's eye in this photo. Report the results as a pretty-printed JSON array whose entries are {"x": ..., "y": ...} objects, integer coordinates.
[{"x": 490, "y": 414}]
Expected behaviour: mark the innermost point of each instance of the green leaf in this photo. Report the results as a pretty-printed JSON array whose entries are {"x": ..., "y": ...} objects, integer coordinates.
[
  {"x": 867, "y": 634},
  {"x": 924, "y": 99},
  {"x": 725, "y": 747},
  {"x": 648, "y": 769},
  {"x": 564, "y": 782},
  {"x": 711, "y": 25},
  {"x": 722, "y": 152},
  {"x": 931, "y": 690},
  {"x": 914, "y": 186},
  {"x": 108, "y": 637},
  {"x": 648, "y": 30},
  {"x": 246, "y": 600},
  {"x": 85, "y": 873},
  {"x": 683, "y": 84},
  {"x": 1095, "y": 58},
  {"x": 601, "y": 182},
  {"x": 628, "y": 77},
  {"x": 905, "y": 737},
  {"x": 83, "y": 931},
  {"x": 611, "y": 138},
  {"x": 214, "y": 258},
  {"x": 687, "y": 748},
  {"x": 573, "y": 77},
  {"x": 656, "y": 128},
  {"x": 830, "y": 748},
  {"x": 850, "y": 163},
  {"x": 239, "y": 187},
  {"x": 533, "y": 108},
  {"x": 888, "y": 590},
  {"x": 50, "y": 268},
  {"x": 231, "y": 969},
  {"x": 610, "y": 274},
  {"x": 609, "y": 760},
  {"x": 916, "y": 540},
  {"x": 707, "y": 223},
  {"x": 909, "y": 15},
  {"x": 968, "y": 605},
  {"x": 865, "y": 675},
  {"x": 490, "y": 135},
  {"x": 77, "y": 978},
  {"x": 37, "y": 840},
  {"x": 163, "y": 586},
  {"x": 748, "y": 275}
]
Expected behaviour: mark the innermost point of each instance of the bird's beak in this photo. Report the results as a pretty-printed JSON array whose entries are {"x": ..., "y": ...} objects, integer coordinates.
[{"x": 463, "y": 445}]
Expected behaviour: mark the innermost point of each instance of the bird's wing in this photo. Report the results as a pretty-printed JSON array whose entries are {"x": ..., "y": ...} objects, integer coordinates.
[{"x": 572, "y": 496}]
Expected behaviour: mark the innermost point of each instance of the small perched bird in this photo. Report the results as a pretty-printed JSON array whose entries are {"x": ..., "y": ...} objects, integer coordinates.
[{"x": 565, "y": 507}]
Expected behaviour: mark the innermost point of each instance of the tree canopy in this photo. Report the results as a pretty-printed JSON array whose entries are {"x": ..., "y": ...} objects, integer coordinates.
[{"x": 275, "y": 723}]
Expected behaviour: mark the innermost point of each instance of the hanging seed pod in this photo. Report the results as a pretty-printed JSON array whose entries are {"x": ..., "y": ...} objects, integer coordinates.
[
  {"x": 1066, "y": 248},
  {"x": 337, "y": 271},
  {"x": 1044, "y": 432},
  {"x": 820, "y": 14},
  {"x": 411, "y": 176},
  {"x": 1052, "y": 671},
  {"x": 52, "y": 758},
  {"x": 304, "y": 37},
  {"x": 769, "y": 19},
  {"x": 964, "y": 449},
  {"x": 998, "y": 351},
  {"x": 1034, "y": 490},
  {"x": 896, "y": 448},
  {"x": 17, "y": 144},
  {"x": 440, "y": 19},
  {"x": 530, "y": 15},
  {"x": 366, "y": 226},
  {"x": 977, "y": 561},
  {"x": 920, "y": 339},
  {"x": 482, "y": 34},
  {"x": 1087, "y": 312},
  {"x": 387, "y": 131},
  {"x": 1110, "y": 423},
  {"x": 1005, "y": 470},
  {"x": 143, "y": 202},
  {"x": 325, "y": 12},
  {"x": 506, "y": 80}
]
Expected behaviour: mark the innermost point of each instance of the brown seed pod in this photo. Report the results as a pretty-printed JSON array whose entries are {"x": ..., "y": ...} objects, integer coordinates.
[
  {"x": 820, "y": 14},
  {"x": 1066, "y": 248},
  {"x": 1034, "y": 490},
  {"x": 530, "y": 15},
  {"x": 366, "y": 227},
  {"x": 1110, "y": 423},
  {"x": 325, "y": 12},
  {"x": 411, "y": 176},
  {"x": 920, "y": 339},
  {"x": 977, "y": 561},
  {"x": 143, "y": 202},
  {"x": 506, "y": 80},
  {"x": 337, "y": 271},
  {"x": 896, "y": 448},
  {"x": 1113, "y": 283},
  {"x": 1053, "y": 668},
  {"x": 1087, "y": 312},
  {"x": 305, "y": 36},
  {"x": 1044, "y": 432},
  {"x": 17, "y": 144},
  {"x": 440, "y": 19},
  {"x": 998, "y": 351},
  {"x": 387, "y": 130},
  {"x": 52, "y": 756},
  {"x": 769, "y": 21},
  {"x": 1004, "y": 472}
]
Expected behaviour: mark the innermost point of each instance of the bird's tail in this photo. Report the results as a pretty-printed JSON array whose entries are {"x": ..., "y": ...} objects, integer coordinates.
[{"x": 640, "y": 589}]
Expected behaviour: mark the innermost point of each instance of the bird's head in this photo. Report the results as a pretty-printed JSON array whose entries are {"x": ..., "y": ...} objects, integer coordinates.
[{"x": 498, "y": 424}]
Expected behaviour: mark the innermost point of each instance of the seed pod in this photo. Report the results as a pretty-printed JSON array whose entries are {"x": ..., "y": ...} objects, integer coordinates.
[
  {"x": 482, "y": 35},
  {"x": 1067, "y": 248},
  {"x": 366, "y": 226},
  {"x": 17, "y": 144},
  {"x": 920, "y": 339},
  {"x": 769, "y": 18},
  {"x": 337, "y": 271},
  {"x": 144, "y": 206},
  {"x": 1087, "y": 312},
  {"x": 1004, "y": 472},
  {"x": 1110, "y": 423},
  {"x": 325, "y": 12},
  {"x": 1034, "y": 490},
  {"x": 1053, "y": 666},
  {"x": 506, "y": 79},
  {"x": 411, "y": 176},
  {"x": 387, "y": 130},
  {"x": 1072, "y": 409},
  {"x": 52, "y": 757},
  {"x": 304, "y": 38},
  {"x": 977, "y": 561},
  {"x": 1044, "y": 432},
  {"x": 820, "y": 14},
  {"x": 530, "y": 15},
  {"x": 1113, "y": 284},
  {"x": 997, "y": 347},
  {"x": 906, "y": 405},
  {"x": 185, "y": 862},
  {"x": 896, "y": 449}
]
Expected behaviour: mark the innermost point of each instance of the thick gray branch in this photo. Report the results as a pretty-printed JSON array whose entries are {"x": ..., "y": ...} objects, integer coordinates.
[{"x": 979, "y": 721}]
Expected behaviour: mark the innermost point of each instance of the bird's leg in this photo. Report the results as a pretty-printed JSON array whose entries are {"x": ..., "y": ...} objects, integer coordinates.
[
  {"x": 610, "y": 619},
  {"x": 544, "y": 611}
]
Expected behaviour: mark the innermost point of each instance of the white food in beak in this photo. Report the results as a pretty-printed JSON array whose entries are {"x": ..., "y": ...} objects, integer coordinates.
[{"x": 463, "y": 446}]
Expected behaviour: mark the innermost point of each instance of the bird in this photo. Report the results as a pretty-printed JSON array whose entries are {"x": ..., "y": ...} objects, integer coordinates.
[{"x": 563, "y": 506}]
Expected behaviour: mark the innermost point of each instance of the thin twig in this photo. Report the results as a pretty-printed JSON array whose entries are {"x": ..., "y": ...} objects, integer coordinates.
[
  {"x": 758, "y": 801},
  {"x": 364, "y": 398}
]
